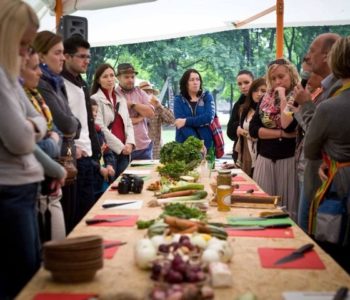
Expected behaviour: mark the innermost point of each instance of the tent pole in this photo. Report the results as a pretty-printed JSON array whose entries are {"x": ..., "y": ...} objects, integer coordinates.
[
  {"x": 279, "y": 29},
  {"x": 59, "y": 12}
]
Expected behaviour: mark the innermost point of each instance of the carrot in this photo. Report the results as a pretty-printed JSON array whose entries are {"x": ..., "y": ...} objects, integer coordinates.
[
  {"x": 180, "y": 224},
  {"x": 192, "y": 229},
  {"x": 177, "y": 194}
]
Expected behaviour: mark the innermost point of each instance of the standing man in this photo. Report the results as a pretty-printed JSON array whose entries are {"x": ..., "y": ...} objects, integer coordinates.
[
  {"x": 139, "y": 109},
  {"x": 77, "y": 58},
  {"x": 317, "y": 59}
]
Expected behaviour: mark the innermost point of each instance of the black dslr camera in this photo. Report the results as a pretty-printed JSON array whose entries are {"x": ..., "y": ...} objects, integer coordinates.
[{"x": 130, "y": 183}]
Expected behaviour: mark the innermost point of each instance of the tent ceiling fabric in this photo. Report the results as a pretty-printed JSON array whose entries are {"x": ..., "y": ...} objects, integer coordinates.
[{"x": 164, "y": 19}]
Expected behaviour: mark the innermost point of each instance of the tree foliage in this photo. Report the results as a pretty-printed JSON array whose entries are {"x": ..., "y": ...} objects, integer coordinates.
[{"x": 218, "y": 56}]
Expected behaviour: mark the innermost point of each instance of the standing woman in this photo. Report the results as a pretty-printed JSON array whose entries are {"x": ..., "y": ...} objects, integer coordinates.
[
  {"x": 234, "y": 131},
  {"x": 113, "y": 118},
  {"x": 246, "y": 146},
  {"x": 52, "y": 227},
  {"x": 275, "y": 166},
  {"x": 193, "y": 109},
  {"x": 20, "y": 128},
  {"x": 49, "y": 46}
]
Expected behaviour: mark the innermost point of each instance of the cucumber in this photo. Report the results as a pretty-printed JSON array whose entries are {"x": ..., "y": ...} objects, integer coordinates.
[{"x": 189, "y": 186}]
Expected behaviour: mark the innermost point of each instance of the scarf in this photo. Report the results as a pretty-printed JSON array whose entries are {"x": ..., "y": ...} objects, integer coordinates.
[
  {"x": 54, "y": 79},
  {"x": 40, "y": 106},
  {"x": 270, "y": 109}
]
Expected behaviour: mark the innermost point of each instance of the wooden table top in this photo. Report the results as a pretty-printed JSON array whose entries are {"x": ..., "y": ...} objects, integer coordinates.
[{"x": 120, "y": 274}]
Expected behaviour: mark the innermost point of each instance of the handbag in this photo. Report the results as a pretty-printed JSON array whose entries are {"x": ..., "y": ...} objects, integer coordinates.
[
  {"x": 68, "y": 163},
  {"x": 218, "y": 137}
]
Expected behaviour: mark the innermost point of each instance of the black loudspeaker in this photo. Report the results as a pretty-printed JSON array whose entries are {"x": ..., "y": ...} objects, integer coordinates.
[{"x": 72, "y": 25}]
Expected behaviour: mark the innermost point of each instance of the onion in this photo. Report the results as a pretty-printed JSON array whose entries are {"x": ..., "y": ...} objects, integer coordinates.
[
  {"x": 145, "y": 253},
  {"x": 198, "y": 240},
  {"x": 210, "y": 255}
]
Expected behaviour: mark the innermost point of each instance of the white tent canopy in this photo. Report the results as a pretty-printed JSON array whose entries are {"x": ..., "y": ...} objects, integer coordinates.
[{"x": 164, "y": 19}]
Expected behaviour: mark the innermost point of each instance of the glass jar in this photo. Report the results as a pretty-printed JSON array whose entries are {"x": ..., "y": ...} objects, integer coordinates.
[
  {"x": 224, "y": 177},
  {"x": 223, "y": 195}
]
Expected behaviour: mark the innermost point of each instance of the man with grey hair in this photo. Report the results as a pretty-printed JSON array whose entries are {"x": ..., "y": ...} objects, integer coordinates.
[{"x": 316, "y": 57}]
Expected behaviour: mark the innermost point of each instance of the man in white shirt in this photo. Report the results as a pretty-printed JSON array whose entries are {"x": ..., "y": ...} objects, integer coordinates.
[{"x": 77, "y": 59}]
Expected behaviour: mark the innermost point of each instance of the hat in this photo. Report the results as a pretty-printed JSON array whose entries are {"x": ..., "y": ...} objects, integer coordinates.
[
  {"x": 146, "y": 86},
  {"x": 125, "y": 68}
]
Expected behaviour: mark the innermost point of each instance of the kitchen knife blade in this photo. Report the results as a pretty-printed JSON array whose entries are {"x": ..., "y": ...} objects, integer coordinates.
[
  {"x": 96, "y": 221},
  {"x": 109, "y": 205},
  {"x": 114, "y": 244},
  {"x": 272, "y": 216},
  {"x": 296, "y": 254},
  {"x": 258, "y": 227}
]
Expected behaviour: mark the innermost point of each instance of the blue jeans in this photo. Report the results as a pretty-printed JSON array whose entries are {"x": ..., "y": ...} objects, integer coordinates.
[
  {"x": 143, "y": 153},
  {"x": 85, "y": 187},
  {"x": 19, "y": 236},
  {"x": 304, "y": 206},
  {"x": 121, "y": 163}
]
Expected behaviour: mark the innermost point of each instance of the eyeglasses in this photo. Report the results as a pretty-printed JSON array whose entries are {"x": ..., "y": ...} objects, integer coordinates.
[
  {"x": 82, "y": 56},
  {"x": 279, "y": 61}
]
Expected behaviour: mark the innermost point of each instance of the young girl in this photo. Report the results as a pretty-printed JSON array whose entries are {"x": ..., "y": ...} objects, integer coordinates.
[
  {"x": 105, "y": 171},
  {"x": 246, "y": 145},
  {"x": 275, "y": 166},
  {"x": 234, "y": 131}
]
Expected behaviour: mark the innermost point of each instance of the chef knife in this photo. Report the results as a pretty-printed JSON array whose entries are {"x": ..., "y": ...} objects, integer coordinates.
[
  {"x": 113, "y": 244},
  {"x": 272, "y": 216},
  {"x": 103, "y": 220},
  {"x": 109, "y": 205},
  {"x": 296, "y": 254},
  {"x": 257, "y": 227}
]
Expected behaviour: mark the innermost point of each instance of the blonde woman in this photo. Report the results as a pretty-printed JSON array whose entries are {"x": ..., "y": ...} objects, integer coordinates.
[
  {"x": 275, "y": 165},
  {"x": 20, "y": 128}
]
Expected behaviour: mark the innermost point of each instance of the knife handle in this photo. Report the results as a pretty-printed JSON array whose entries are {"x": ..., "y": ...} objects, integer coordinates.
[
  {"x": 277, "y": 216},
  {"x": 279, "y": 225},
  {"x": 93, "y": 221},
  {"x": 341, "y": 294},
  {"x": 304, "y": 248}
]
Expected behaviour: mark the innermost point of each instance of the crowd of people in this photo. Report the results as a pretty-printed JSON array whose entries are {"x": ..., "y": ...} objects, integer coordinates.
[
  {"x": 62, "y": 143},
  {"x": 296, "y": 144}
]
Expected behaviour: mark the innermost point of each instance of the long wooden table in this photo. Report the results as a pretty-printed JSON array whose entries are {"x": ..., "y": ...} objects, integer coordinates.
[{"x": 120, "y": 274}]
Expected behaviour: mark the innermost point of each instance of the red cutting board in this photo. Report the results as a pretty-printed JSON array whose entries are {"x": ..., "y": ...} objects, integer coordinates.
[
  {"x": 63, "y": 296},
  {"x": 110, "y": 252},
  {"x": 130, "y": 222},
  {"x": 268, "y": 257}
]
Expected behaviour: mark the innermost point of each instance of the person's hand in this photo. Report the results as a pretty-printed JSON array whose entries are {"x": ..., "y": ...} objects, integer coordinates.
[
  {"x": 136, "y": 120},
  {"x": 110, "y": 170},
  {"x": 57, "y": 183},
  {"x": 54, "y": 135},
  {"x": 78, "y": 153},
  {"x": 127, "y": 149},
  {"x": 104, "y": 172},
  {"x": 281, "y": 91},
  {"x": 241, "y": 131},
  {"x": 179, "y": 123},
  {"x": 154, "y": 101},
  {"x": 301, "y": 95},
  {"x": 322, "y": 171}
]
